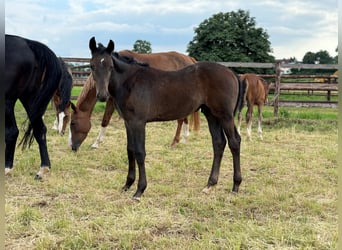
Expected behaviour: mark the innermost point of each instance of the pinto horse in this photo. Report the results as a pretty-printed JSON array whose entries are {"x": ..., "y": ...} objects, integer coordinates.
[
  {"x": 256, "y": 94},
  {"x": 143, "y": 94},
  {"x": 33, "y": 73},
  {"x": 81, "y": 118},
  {"x": 62, "y": 107}
]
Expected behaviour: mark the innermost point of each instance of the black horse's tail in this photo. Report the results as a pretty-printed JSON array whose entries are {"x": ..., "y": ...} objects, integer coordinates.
[
  {"x": 65, "y": 86},
  {"x": 48, "y": 76},
  {"x": 242, "y": 95}
]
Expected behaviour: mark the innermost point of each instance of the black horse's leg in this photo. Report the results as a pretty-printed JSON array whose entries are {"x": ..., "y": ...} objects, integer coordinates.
[
  {"x": 219, "y": 143},
  {"x": 39, "y": 132},
  {"x": 131, "y": 159},
  {"x": 137, "y": 130},
  {"x": 11, "y": 135},
  {"x": 234, "y": 142}
]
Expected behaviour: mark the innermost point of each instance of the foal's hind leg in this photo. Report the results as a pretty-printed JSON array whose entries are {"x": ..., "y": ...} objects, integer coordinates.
[
  {"x": 185, "y": 130},
  {"x": 234, "y": 142},
  {"x": 176, "y": 138},
  {"x": 219, "y": 143},
  {"x": 11, "y": 136}
]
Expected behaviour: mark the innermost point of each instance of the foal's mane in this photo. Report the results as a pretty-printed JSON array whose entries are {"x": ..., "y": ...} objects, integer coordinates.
[
  {"x": 129, "y": 60},
  {"x": 126, "y": 59}
]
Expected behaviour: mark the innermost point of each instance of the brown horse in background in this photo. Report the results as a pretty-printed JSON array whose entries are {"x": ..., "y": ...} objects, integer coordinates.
[
  {"x": 168, "y": 61},
  {"x": 143, "y": 94},
  {"x": 256, "y": 94}
]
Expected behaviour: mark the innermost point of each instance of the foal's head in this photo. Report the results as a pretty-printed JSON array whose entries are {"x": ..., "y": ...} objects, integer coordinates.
[
  {"x": 79, "y": 127},
  {"x": 101, "y": 64}
]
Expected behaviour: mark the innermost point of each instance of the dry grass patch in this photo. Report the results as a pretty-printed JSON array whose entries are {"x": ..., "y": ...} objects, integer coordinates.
[{"x": 287, "y": 200}]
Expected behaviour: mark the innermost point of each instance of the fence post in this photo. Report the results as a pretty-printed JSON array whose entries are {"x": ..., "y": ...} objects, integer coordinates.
[
  {"x": 276, "y": 90},
  {"x": 329, "y": 92}
]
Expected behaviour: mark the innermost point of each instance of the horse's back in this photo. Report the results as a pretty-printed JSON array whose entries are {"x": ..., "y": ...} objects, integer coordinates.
[
  {"x": 19, "y": 63},
  {"x": 167, "y": 61}
]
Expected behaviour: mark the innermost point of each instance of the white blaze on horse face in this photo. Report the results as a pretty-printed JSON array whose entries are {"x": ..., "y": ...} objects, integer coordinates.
[
  {"x": 60, "y": 123},
  {"x": 102, "y": 60}
]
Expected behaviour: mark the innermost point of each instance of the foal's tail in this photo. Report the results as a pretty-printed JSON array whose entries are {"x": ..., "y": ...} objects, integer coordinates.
[
  {"x": 242, "y": 94},
  {"x": 65, "y": 86}
]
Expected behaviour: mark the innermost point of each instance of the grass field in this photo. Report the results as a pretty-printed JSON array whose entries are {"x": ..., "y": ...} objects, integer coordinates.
[{"x": 287, "y": 200}]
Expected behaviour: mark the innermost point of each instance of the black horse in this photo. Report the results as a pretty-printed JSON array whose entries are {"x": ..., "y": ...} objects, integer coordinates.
[
  {"x": 142, "y": 94},
  {"x": 33, "y": 73}
]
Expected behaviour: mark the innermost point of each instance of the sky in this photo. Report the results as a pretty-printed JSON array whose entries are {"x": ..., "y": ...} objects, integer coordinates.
[{"x": 294, "y": 26}]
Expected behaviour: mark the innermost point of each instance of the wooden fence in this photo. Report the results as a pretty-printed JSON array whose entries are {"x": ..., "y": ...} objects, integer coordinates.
[{"x": 279, "y": 82}]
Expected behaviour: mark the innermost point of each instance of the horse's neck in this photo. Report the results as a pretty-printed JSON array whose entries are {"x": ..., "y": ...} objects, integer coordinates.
[
  {"x": 87, "y": 98},
  {"x": 88, "y": 103}
]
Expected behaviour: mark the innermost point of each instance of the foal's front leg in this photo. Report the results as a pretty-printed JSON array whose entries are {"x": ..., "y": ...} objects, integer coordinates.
[
  {"x": 259, "y": 121},
  {"x": 136, "y": 150},
  {"x": 105, "y": 121}
]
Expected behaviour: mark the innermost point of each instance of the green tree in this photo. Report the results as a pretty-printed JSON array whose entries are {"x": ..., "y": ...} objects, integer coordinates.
[
  {"x": 309, "y": 57},
  {"x": 142, "y": 46},
  {"x": 322, "y": 57},
  {"x": 230, "y": 37}
]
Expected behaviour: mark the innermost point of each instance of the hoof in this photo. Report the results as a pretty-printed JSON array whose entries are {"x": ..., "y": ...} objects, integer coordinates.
[
  {"x": 137, "y": 199},
  {"x": 42, "y": 172},
  {"x": 95, "y": 145},
  {"x": 8, "y": 171},
  {"x": 206, "y": 190}
]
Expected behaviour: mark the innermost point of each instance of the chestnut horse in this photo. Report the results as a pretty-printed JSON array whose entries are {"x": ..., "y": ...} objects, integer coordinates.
[
  {"x": 256, "y": 94},
  {"x": 33, "y": 73},
  {"x": 143, "y": 94},
  {"x": 166, "y": 61}
]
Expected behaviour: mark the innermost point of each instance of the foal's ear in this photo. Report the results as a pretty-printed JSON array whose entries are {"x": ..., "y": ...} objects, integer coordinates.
[
  {"x": 92, "y": 44},
  {"x": 110, "y": 47}
]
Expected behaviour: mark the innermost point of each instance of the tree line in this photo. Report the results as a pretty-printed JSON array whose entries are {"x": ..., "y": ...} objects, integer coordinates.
[{"x": 234, "y": 37}]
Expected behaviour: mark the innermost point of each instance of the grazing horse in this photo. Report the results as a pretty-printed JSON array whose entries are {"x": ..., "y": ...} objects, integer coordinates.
[
  {"x": 256, "y": 94},
  {"x": 33, "y": 73},
  {"x": 143, "y": 94},
  {"x": 61, "y": 107},
  {"x": 165, "y": 61}
]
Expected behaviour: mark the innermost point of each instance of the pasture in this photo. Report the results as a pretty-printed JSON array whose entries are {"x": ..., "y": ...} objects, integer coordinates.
[{"x": 287, "y": 199}]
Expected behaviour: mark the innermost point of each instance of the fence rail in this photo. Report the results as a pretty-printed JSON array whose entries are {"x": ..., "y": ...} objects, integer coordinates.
[{"x": 279, "y": 82}]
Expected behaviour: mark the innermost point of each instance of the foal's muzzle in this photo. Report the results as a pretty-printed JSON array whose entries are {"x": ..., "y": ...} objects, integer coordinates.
[{"x": 102, "y": 97}]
